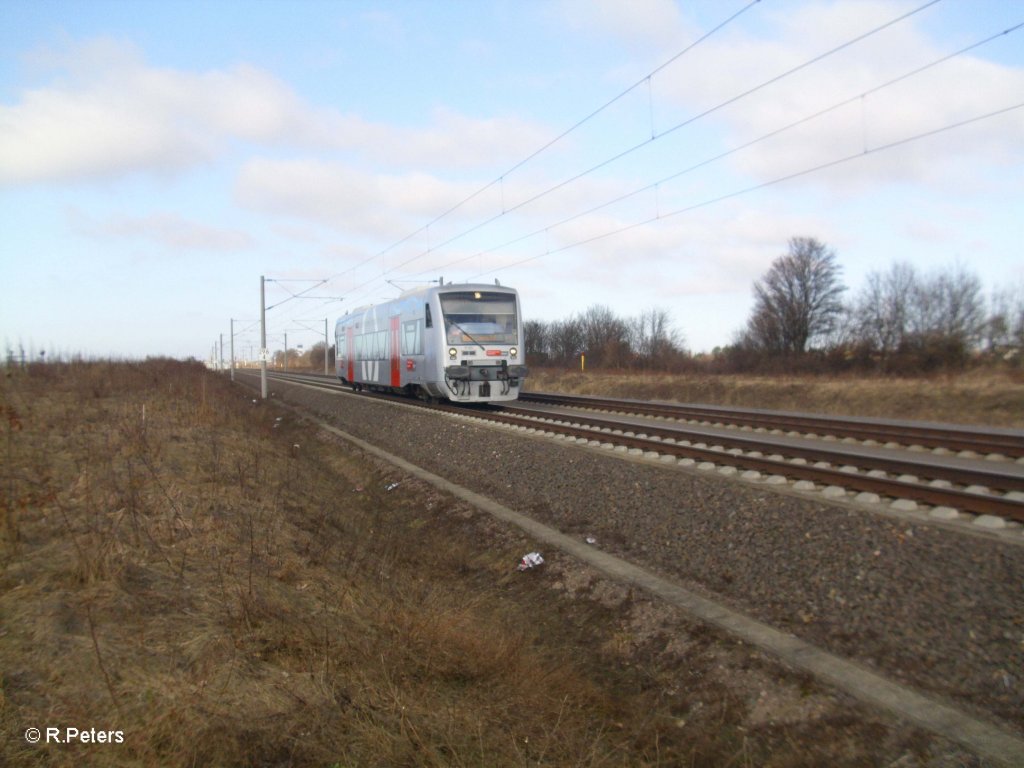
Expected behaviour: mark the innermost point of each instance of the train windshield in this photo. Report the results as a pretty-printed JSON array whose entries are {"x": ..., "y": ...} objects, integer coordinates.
[{"x": 484, "y": 317}]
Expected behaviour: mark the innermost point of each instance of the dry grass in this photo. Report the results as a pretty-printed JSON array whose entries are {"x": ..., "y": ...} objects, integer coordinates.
[
  {"x": 198, "y": 582},
  {"x": 979, "y": 397},
  {"x": 196, "y": 571}
]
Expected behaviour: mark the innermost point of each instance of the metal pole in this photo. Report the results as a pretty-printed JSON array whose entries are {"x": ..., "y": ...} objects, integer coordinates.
[
  {"x": 232, "y": 349},
  {"x": 286, "y": 352},
  {"x": 263, "y": 340},
  {"x": 220, "y": 357},
  {"x": 326, "y": 347}
]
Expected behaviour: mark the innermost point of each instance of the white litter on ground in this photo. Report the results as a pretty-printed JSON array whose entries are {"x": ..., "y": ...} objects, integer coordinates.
[{"x": 532, "y": 560}]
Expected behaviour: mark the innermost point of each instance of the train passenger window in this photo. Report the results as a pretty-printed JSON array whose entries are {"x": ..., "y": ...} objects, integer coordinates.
[{"x": 429, "y": 322}]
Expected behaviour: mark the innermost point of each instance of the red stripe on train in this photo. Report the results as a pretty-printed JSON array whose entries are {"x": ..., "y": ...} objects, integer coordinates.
[
  {"x": 350, "y": 351},
  {"x": 396, "y": 371}
]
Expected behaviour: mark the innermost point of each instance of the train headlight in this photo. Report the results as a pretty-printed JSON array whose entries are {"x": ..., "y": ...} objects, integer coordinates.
[
  {"x": 513, "y": 352},
  {"x": 452, "y": 352}
]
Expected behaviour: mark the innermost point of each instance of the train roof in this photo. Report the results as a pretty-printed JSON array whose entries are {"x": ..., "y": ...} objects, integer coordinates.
[{"x": 430, "y": 290}]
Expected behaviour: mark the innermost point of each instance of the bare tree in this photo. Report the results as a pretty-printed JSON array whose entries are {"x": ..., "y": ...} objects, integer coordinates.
[
  {"x": 949, "y": 305},
  {"x": 316, "y": 356},
  {"x": 1004, "y": 329},
  {"x": 798, "y": 300},
  {"x": 536, "y": 344},
  {"x": 607, "y": 340},
  {"x": 652, "y": 338},
  {"x": 605, "y": 337},
  {"x": 565, "y": 340},
  {"x": 921, "y": 321},
  {"x": 884, "y": 307}
]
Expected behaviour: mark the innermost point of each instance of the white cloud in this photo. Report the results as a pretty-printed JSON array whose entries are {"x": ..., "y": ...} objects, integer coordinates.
[
  {"x": 344, "y": 198},
  {"x": 667, "y": 261},
  {"x": 450, "y": 141},
  {"x": 743, "y": 58},
  {"x": 639, "y": 24},
  {"x": 167, "y": 229},
  {"x": 107, "y": 113},
  {"x": 55, "y": 135},
  {"x": 390, "y": 206}
]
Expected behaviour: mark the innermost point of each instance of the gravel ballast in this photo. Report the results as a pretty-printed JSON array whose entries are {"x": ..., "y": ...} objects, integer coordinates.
[{"x": 939, "y": 610}]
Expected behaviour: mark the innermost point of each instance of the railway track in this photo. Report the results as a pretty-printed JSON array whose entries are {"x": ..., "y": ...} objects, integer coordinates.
[
  {"x": 949, "y": 437},
  {"x": 872, "y": 470}
]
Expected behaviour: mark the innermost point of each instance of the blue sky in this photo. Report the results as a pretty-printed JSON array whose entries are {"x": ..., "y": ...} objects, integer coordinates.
[{"x": 157, "y": 157}]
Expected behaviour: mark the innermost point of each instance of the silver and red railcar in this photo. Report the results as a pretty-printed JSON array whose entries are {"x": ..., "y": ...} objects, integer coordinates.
[{"x": 457, "y": 342}]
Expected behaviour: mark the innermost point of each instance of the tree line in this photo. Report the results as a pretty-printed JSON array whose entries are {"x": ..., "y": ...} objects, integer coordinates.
[
  {"x": 312, "y": 358},
  {"x": 608, "y": 341},
  {"x": 901, "y": 321}
]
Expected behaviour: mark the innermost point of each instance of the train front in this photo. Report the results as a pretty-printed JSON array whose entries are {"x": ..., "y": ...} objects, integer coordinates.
[{"x": 483, "y": 357}]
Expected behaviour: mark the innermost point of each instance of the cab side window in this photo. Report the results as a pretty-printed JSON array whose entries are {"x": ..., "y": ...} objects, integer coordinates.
[{"x": 412, "y": 337}]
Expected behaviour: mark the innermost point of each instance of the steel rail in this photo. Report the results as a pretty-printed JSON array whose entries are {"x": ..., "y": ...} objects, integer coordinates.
[
  {"x": 976, "y": 503},
  {"x": 896, "y": 488},
  {"x": 990, "y": 478},
  {"x": 954, "y": 437}
]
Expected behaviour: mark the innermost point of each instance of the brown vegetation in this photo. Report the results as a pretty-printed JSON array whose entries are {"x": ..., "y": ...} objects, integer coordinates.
[
  {"x": 993, "y": 397},
  {"x": 188, "y": 567},
  {"x": 180, "y": 565}
]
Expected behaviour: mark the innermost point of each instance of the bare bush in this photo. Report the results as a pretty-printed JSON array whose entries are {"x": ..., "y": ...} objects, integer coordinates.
[
  {"x": 653, "y": 339},
  {"x": 565, "y": 340},
  {"x": 1004, "y": 328},
  {"x": 605, "y": 337},
  {"x": 537, "y": 341},
  {"x": 315, "y": 356},
  {"x": 882, "y": 311},
  {"x": 905, "y": 321}
]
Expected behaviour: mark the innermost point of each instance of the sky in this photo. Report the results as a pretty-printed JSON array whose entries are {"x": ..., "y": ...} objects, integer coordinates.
[{"x": 157, "y": 158}]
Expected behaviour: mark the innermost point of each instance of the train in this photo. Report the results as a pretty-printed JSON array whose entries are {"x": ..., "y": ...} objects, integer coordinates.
[{"x": 458, "y": 342}]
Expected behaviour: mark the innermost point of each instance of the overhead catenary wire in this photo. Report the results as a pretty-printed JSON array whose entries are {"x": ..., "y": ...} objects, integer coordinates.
[
  {"x": 317, "y": 284},
  {"x": 668, "y": 131},
  {"x": 746, "y": 145},
  {"x": 536, "y": 153},
  {"x": 763, "y": 185},
  {"x": 276, "y": 326}
]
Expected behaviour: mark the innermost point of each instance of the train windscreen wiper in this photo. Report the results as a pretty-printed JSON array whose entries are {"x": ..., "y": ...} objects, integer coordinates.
[{"x": 467, "y": 334}]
